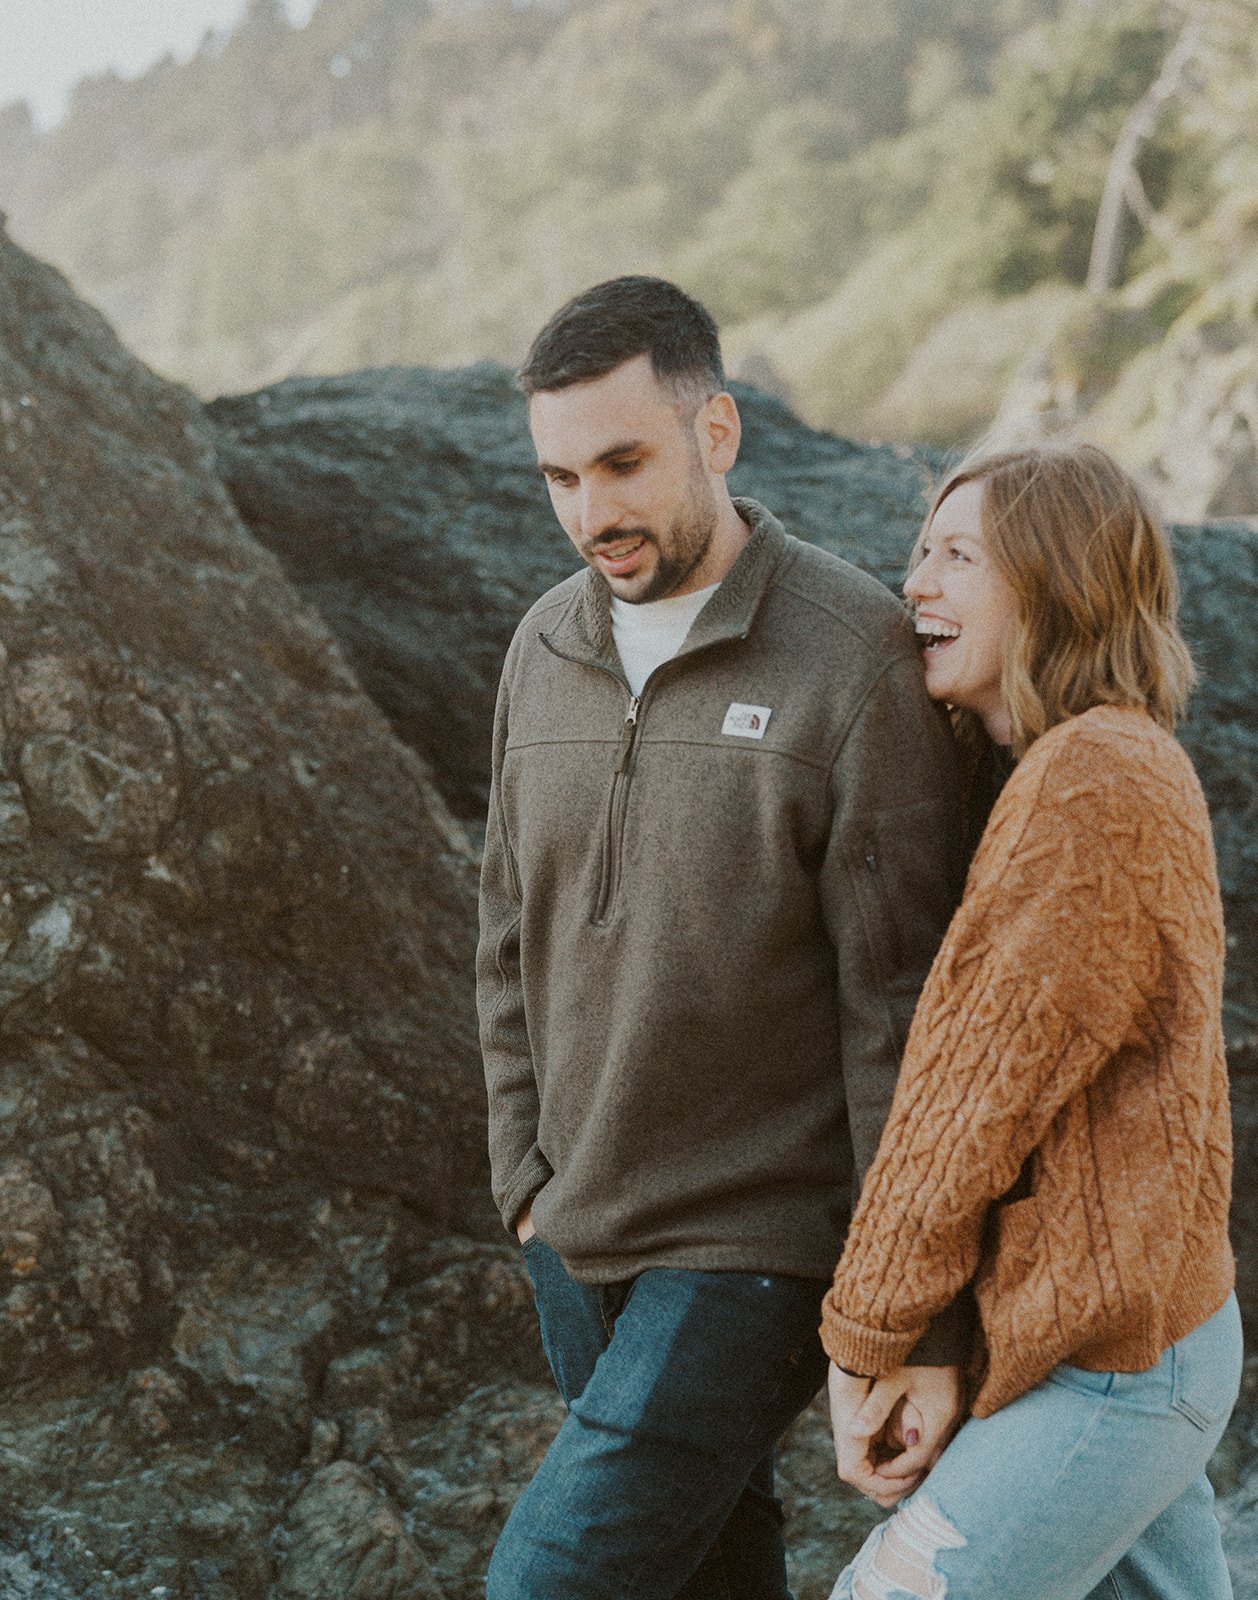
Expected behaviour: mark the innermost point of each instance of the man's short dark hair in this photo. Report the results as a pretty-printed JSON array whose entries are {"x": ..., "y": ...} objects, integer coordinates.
[{"x": 626, "y": 317}]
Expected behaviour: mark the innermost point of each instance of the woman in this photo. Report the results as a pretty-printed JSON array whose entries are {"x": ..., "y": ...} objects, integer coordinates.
[{"x": 1059, "y": 1139}]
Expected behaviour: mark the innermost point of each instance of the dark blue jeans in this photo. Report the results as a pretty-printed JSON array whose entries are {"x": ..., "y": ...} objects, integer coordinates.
[{"x": 659, "y": 1485}]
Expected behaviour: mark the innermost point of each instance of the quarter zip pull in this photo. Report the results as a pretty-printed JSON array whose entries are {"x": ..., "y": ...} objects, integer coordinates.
[{"x": 627, "y": 733}]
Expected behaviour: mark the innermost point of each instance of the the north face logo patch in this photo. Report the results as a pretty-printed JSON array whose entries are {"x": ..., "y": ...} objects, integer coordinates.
[{"x": 746, "y": 722}]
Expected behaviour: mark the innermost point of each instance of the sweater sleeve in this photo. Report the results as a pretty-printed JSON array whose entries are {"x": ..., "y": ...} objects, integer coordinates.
[
  {"x": 518, "y": 1168},
  {"x": 1041, "y": 977}
]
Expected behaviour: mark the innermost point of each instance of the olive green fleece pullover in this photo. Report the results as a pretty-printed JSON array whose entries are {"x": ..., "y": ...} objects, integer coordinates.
[{"x": 706, "y": 915}]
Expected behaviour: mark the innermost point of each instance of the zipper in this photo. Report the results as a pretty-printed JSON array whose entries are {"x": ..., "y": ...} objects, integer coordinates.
[
  {"x": 622, "y": 774},
  {"x": 617, "y": 809}
]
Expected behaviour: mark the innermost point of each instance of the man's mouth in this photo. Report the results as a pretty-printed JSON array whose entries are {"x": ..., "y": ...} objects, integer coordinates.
[
  {"x": 618, "y": 556},
  {"x": 934, "y": 635}
]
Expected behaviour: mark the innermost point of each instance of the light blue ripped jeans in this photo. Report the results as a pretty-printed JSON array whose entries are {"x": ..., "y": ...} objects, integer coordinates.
[{"x": 1090, "y": 1487}]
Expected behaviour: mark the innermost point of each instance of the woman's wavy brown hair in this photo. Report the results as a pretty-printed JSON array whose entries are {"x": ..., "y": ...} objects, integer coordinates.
[{"x": 1095, "y": 583}]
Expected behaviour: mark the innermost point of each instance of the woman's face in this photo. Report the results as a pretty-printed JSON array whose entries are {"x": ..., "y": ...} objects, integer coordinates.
[{"x": 964, "y": 611}]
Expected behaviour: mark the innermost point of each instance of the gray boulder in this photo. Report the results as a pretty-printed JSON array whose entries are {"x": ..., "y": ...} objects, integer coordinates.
[{"x": 237, "y": 1048}]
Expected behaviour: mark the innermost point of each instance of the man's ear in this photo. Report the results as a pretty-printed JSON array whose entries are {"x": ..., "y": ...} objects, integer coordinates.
[{"x": 720, "y": 430}]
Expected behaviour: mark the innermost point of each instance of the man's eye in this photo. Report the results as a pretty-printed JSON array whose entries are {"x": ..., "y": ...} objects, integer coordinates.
[
  {"x": 626, "y": 465},
  {"x": 558, "y": 480},
  {"x": 958, "y": 555}
]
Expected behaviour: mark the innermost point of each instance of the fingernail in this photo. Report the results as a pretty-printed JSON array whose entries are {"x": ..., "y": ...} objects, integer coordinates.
[{"x": 911, "y": 1437}]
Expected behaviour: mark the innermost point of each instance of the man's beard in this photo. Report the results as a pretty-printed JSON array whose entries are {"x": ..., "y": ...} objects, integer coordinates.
[{"x": 686, "y": 544}]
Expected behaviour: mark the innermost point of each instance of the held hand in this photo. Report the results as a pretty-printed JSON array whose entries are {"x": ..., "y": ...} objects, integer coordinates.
[
  {"x": 524, "y": 1229},
  {"x": 868, "y": 1461},
  {"x": 936, "y": 1395},
  {"x": 890, "y": 1432}
]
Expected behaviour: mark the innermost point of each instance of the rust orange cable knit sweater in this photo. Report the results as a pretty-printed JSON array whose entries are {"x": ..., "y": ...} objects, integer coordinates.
[{"x": 1072, "y": 1021}]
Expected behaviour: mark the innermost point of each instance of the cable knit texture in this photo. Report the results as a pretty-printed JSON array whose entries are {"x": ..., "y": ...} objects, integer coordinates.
[{"x": 1072, "y": 1022}]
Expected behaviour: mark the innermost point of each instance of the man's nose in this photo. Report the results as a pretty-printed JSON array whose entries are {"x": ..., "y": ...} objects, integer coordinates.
[{"x": 599, "y": 510}]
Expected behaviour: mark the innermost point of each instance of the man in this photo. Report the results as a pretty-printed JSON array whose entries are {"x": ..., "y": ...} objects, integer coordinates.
[{"x": 721, "y": 851}]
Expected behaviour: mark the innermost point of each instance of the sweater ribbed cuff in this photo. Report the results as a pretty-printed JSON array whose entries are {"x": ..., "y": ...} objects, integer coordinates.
[{"x": 861, "y": 1349}]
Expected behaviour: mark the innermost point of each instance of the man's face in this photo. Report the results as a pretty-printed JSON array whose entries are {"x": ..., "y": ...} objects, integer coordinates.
[{"x": 628, "y": 480}]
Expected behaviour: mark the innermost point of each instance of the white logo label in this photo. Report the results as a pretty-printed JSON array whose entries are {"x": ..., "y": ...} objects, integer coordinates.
[{"x": 748, "y": 722}]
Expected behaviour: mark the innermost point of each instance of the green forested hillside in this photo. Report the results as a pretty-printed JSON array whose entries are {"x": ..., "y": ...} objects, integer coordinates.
[{"x": 892, "y": 209}]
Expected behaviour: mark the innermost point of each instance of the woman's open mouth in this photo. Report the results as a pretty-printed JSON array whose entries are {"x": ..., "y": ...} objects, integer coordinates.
[{"x": 934, "y": 635}]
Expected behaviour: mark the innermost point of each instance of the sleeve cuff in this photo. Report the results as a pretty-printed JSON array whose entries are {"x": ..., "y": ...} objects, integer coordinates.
[
  {"x": 861, "y": 1349},
  {"x": 533, "y": 1173}
]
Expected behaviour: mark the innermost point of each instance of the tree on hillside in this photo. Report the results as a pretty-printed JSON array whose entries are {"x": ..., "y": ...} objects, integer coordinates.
[{"x": 1124, "y": 191}]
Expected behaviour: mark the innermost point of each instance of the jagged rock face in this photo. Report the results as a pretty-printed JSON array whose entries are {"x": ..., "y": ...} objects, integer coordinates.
[
  {"x": 237, "y": 1050},
  {"x": 404, "y": 508},
  {"x": 234, "y": 905}
]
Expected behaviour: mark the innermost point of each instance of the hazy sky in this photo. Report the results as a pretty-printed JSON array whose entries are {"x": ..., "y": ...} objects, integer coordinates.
[{"x": 46, "y": 46}]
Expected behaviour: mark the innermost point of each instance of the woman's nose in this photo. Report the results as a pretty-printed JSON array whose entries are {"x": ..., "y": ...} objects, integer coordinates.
[{"x": 920, "y": 582}]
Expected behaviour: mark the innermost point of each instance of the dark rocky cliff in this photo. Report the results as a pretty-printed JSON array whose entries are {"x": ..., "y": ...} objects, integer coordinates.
[
  {"x": 261, "y": 1337},
  {"x": 242, "y": 1107}
]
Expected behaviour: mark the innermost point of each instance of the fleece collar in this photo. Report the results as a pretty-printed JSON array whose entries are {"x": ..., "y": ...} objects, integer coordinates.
[{"x": 583, "y": 632}]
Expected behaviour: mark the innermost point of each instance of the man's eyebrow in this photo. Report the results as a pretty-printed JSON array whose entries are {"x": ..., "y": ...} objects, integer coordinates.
[{"x": 623, "y": 448}]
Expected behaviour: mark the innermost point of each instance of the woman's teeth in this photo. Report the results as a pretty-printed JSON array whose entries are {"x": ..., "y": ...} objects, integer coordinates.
[{"x": 935, "y": 634}]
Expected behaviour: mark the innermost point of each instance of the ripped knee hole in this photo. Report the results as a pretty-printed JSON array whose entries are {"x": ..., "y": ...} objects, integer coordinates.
[{"x": 901, "y": 1564}]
